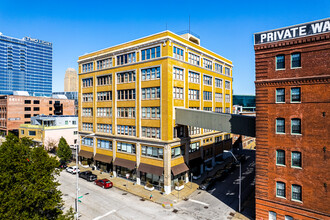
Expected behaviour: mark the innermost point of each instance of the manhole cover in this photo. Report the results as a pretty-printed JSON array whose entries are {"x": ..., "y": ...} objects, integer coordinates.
[
  {"x": 142, "y": 199},
  {"x": 124, "y": 194},
  {"x": 231, "y": 214},
  {"x": 206, "y": 207},
  {"x": 65, "y": 194},
  {"x": 175, "y": 210},
  {"x": 199, "y": 193}
]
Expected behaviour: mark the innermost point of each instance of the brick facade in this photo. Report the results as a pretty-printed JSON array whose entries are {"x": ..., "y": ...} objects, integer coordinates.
[{"x": 313, "y": 79}]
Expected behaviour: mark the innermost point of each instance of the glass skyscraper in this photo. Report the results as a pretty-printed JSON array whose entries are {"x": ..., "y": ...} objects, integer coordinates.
[{"x": 25, "y": 65}]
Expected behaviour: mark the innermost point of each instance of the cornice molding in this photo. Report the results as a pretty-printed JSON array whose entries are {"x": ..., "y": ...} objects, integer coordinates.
[{"x": 294, "y": 81}]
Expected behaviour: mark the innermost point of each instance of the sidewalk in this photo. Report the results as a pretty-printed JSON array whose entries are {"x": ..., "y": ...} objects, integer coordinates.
[{"x": 140, "y": 191}]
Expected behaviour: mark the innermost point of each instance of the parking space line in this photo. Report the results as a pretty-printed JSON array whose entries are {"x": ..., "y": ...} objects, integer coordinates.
[
  {"x": 108, "y": 213},
  {"x": 199, "y": 202}
]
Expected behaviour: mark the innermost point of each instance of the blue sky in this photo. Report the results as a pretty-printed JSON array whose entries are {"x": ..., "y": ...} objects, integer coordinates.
[{"x": 225, "y": 27}]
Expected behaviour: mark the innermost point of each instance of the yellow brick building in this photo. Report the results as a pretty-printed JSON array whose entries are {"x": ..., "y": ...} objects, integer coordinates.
[{"x": 127, "y": 97}]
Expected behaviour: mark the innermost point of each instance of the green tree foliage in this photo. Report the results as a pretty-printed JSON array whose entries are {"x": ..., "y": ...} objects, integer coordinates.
[
  {"x": 63, "y": 150},
  {"x": 28, "y": 188}
]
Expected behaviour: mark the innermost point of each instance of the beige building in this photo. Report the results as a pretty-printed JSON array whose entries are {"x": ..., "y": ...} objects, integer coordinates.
[{"x": 70, "y": 80}]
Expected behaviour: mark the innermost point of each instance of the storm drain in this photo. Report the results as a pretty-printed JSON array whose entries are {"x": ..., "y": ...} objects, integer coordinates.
[
  {"x": 206, "y": 207},
  {"x": 175, "y": 210},
  {"x": 185, "y": 199},
  {"x": 142, "y": 199},
  {"x": 231, "y": 214},
  {"x": 65, "y": 194},
  {"x": 124, "y": 194}
]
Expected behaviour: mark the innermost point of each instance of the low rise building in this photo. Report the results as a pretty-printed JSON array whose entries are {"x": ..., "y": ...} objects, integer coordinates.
[
  {"x": 47, "y": 130},
  {"x": 18, "y": 109}
]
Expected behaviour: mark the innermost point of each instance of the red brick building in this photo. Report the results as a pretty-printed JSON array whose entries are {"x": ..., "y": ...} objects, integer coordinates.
[
  {"x": 16, "y": 110},
  {"x": 292, "y": 122}
]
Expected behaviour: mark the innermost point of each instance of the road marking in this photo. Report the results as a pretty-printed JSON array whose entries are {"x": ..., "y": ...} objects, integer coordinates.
[
  {"x": 108, "y": 213},
  {"x": 199, "y": 202}
]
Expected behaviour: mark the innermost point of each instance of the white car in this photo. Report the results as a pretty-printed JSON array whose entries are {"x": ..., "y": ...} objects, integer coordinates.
[{"x": 72, "y": 169}]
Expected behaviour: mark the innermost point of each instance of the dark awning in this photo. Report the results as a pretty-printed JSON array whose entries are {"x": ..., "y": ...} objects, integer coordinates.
[
  {"x": 86, "y": 154},
  {"x": 179, "y": 169},
  {"x": 147, "y": 168},
  {"x": 124, "y": 163},
  {"x": 103, "y": 158}
]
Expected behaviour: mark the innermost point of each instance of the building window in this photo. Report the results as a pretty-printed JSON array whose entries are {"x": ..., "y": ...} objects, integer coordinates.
[
  {"x": 177, "y": 53},
  {"x": 207, "y": 96},
  {"x": 36, "y": 109},
  {"x": 105, "y": 144},
  {"x": 218, "y": 67},
  {"x": 151, "y": 132},
  {"x": 218, "y": 109},
  {"x": 104, "y": 96},
  {"x": 75, "y": 132},
  {"x": 193, "y": 130},
  {"x": 150, "y": 53},
  {"x": 87, "y": 126},
  {"x": 36, "y": 102},
  {"x": 176, "y": 152},
  {"x": 280, "y": 189},
  {"x": 87, "y": 97},
  {"x": 227, "y": 85},
  {"x": 105, "y": 128},
  {"x": 126, "y": 112},
  {"x": 126, "y": 77},
  {"x": 218, "y": 97},
  {"x": 218, "y": 83},
  {"x": 126, "y": 130},
  {"x": 124, "y": 147},
  {"x": 151, "y": 112},
  {"x": 209, "y": 109},
  {"x": 104, "y": 80},
  {"x": 193, "y": 94},
  {"x": 32, "y": 133},
  {"x": 218, "y": 139},
  {"x": 280, "y": 95},
  {"x": 126, "y": 58},
  {"x": 194, "y": 147},
  {"x": 193, "y": 59},
  {"x": 178, "y": 131},
  {"x": 150, "y": 73},
  {"x": 152, "y": 151},
  {"x": 88, "y": 142},
  {"x": 287, "y": 217},
  {"x": 193, "y": 77},
  {"x": 177, "y": 93},
  {"x": 128, "y": 94},
  {"x": 50, "y": 102},
  {"x": 280, "y": 157},
  {"x": 227, "y": 71},
  {"x": 227, "y": 110},
  {"x": 27, "y": 116},
  {"x": 74, "y": 122},
  {"x": 150, "y": 93},
  {"x": 177, "y": 73},
  {"x": 295, "y": 60},
  {"x": 280, "y": 125},
  {"x": 296, "y": 193},
  {"x": 103, "y": 64},
  {"x": 27, "y": 109},
  {"x": 295, "y": 95},
  {"x": 87, "y": 112},
  {"x": 27, "y": 101},
  {"x": 87, "y": 67},
  {"x": 272, "y": 215},
  {"x": 207, "y": 63},
  {"x": 280, "y": 62},
  {"x": 87, "y": 82},
  {"x": 104, "y": 112},
  {"x": 207, "y": 80},
  {"x": 295, "y": 126},
  {"x": 22, "y": 131},
  {"x": 296, "y": 159},
  {"x": 227, "y": 98}
]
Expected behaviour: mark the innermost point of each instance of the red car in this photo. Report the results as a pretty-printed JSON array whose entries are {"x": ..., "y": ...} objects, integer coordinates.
[{"x": 104, "y": 183}]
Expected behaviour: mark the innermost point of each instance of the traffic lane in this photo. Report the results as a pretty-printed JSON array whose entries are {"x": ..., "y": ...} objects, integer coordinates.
[
  {"x": 111, "y": 203},
  {"x": 227, "y": 189}
]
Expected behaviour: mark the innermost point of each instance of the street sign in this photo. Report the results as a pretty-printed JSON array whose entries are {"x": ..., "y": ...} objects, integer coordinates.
[{"x": 127, "y": 175}]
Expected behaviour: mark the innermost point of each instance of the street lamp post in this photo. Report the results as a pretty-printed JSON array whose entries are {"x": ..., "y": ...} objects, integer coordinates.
[
  {"x": 240, "y": 179},
  {"x": 77, "y": 174}
]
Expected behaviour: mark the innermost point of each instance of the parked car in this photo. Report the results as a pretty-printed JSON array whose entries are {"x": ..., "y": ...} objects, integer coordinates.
[
  {"x": 88, "y": 175},
  {"x": 206, "y": 183},
  {"x": 72, "y": 170},
  {"x": 62, "y": 165},
  {"x": 104, "y": 183}
]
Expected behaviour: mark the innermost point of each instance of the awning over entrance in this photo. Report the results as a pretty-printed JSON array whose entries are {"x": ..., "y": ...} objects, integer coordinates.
[
  {"x": 179, "y": 169},
  {"x": 103, "y": 158},
  {"x": 85, "y": 154},
  {"x": 147, "y": 168},
  {"x": 124, "y": 163}
]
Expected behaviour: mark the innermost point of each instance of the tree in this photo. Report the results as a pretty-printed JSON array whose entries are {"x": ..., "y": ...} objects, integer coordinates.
[
  {"x": 63, "y": 150},
  {"x": 28, "y": 186}
]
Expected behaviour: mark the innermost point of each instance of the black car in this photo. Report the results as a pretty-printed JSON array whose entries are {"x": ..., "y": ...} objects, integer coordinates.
[{"x": 88, "y": 175}]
